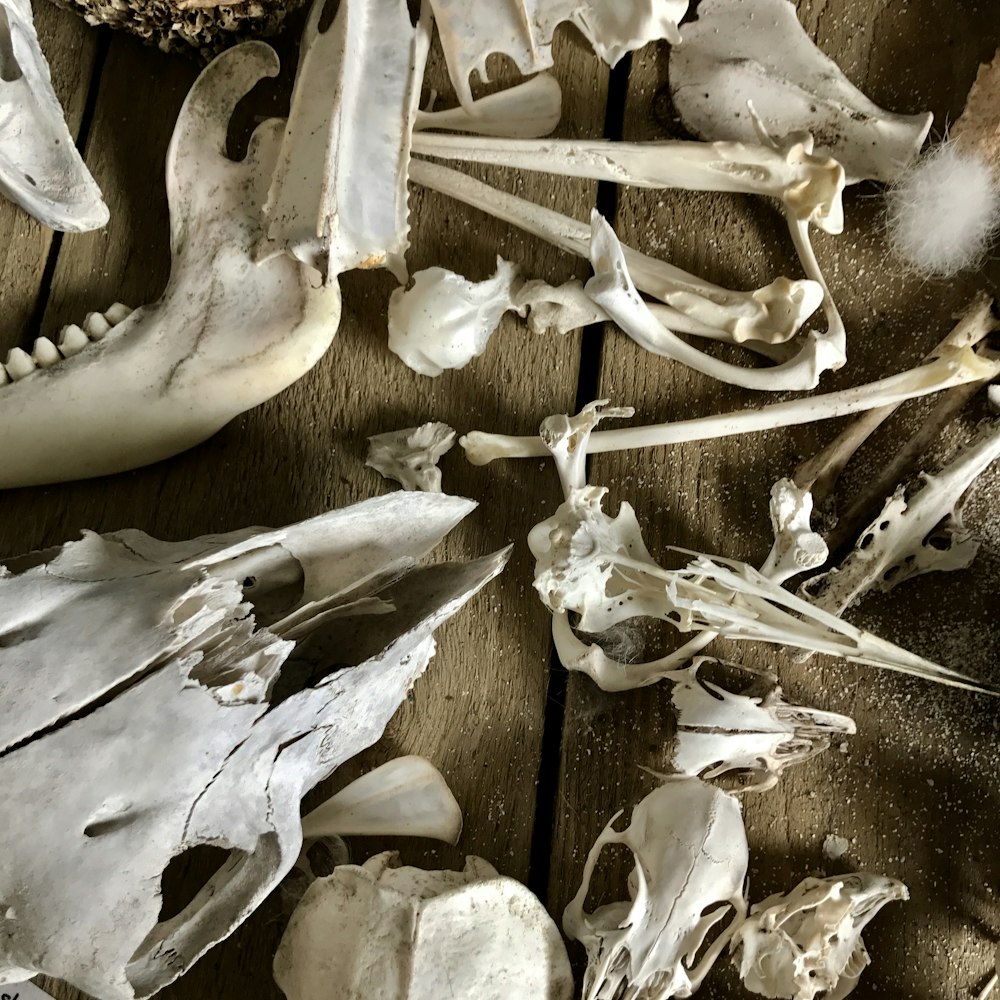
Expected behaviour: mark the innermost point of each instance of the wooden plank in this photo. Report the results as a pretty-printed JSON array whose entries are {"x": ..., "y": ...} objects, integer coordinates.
[
  {"x": 478, "y": 714},
  {"x": 70, "y": 47},
  {"x": 917, "y": 766}
]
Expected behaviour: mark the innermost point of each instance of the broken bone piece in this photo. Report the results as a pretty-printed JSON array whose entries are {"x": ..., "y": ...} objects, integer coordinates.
[
  {"x": 40, "y": 167},
  {"x": 399, "y": 933},
  {"x": 523, "y": 29},
  {"x": 807, "y": 943},
  {"x": 755, "y": 52},
  {"x": 406, "y": 797},
  {"x": 445, "y": 320},
  {"x": 227, "y": 333},
  {"x": 797, "y": 548},
  {"x": 753, "y": 735},
  {"x": 410, "y": 456},
  {"x": 912, "y": 534},
  {"x": 214, "y": 682},
  {"x": 353, "y": 106},
  {"x": 691, "y": 858}
]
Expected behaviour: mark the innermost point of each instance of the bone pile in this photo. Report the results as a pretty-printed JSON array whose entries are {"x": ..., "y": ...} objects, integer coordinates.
[{"x": 216, "y": 681}]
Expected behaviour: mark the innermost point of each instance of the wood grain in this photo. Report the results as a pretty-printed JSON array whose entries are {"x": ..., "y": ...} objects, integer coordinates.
[
  {"x": 478, "y": 713},
  {"x": 910, "y": 792}
]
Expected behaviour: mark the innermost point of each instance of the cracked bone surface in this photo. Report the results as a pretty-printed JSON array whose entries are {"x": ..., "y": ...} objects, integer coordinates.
[
  {"x": 806, "y": 943},
  {"x": 690, "y": 850},
  {"x": 214, "y": 682},
  {"x": 399, "y": 933},
  {"x": 227, "y": 333},
  {"x": 471, "y": 30},
  {"x": 40, "y": 168},
  {"x": 755, "y": 52},
  {"x": 353, "y": 107}
]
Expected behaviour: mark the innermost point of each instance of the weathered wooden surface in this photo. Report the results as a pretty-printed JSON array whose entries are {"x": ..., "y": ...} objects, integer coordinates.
[{"x": 914, "y": 791}]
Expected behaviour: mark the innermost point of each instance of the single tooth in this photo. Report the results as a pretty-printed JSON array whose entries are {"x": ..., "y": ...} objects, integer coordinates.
[
  {"x": 95, "y": 326},
  {"x": 4, "y": 377},
  {"x": 116, "y": 313},
  {"x": 45, "y": 354},
  {"x": 19, "y": 364},
  {"x": 72, "y": 340}
]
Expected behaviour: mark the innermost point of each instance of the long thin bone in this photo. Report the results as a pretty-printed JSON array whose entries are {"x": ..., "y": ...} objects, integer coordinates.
[
  {"x": 810, "y": 186},
  {"x": 955, "y": 368},
  {"x": 820, "y": 473},
  {"x": 696, "y": 305}
]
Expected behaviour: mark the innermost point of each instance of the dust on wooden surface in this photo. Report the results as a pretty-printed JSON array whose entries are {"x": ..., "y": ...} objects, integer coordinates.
[{"x": 913, "y": 794}]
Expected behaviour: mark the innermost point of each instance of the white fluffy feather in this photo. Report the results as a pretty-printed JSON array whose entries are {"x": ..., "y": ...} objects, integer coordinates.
[{"x": 943, "y": 211}]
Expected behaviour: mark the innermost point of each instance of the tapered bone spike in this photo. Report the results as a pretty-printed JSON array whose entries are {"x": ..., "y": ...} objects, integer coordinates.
[
  {"x": 96, "y": 326},
  {"x": 72, "y": 340},
  {"x": 19, "y": 364},
  {"x": 117, "y": 312},
  {"x": 44, "y": 353}
]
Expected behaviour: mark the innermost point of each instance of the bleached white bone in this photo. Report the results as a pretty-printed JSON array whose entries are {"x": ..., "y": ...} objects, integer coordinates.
[
  {"x": 807, "y": 942},
  {"x": 353, "y": 107},
  {"x": 522, "y": 29},
  {"x": 691, "y": 859},
  {"x": 407, "y": 796},
  {"x": 381, "y": 930},
  {"x": 410, "y": 456},
  {"x": 755, "y": 51},
  {"x": 226, "y": 334},
  {"x": 155, "y": 690},
  {"x": 40, "y": 168}
]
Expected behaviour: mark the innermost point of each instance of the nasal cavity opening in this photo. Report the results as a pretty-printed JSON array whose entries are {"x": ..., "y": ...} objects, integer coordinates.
[{"x": 10, "y": 68}]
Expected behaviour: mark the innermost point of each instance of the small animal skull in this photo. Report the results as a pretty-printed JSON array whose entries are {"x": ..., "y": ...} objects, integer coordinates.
[
  {"x": 691, "y": 859},
  {"x": 807, "y": 942}
]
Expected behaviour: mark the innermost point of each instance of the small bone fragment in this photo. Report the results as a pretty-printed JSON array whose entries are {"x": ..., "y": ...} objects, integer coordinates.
[
  {"x": 445, "y": 320},
  {"x": 835, "y": 847},
  {"x": 410, "y": 456},
  {"x": 214, "y": 682},
  {"x": 691, "y": 859},
  {"x": 807, "y": 943},
  {"x": 755, "y": 52},
  {"x": 396, "y": 933},
  {"x": 406, "y": 797},
  {"x": 40, "y": 167}
]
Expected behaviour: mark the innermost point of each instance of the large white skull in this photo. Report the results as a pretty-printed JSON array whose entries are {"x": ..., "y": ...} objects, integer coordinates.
[
  {"x": 170, "y": 695},
  {"x": 691, "y": 860},
  {"x": 40, "y": 167},
  {"x": 807, "y": 942},
  {"x": 381, "y": 930},
  {"x": 227, "y": 333}
]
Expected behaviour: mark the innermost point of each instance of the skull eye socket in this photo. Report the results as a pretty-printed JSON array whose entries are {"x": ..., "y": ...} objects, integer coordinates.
[{"x": 10, "y": 68}]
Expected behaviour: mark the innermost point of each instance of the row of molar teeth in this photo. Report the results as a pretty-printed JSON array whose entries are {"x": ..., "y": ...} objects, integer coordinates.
[{"x": 72, "y": 340}]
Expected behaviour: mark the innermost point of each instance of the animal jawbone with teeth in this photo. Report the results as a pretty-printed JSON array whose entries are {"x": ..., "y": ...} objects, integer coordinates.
[{"x": 227, "y": 334}]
